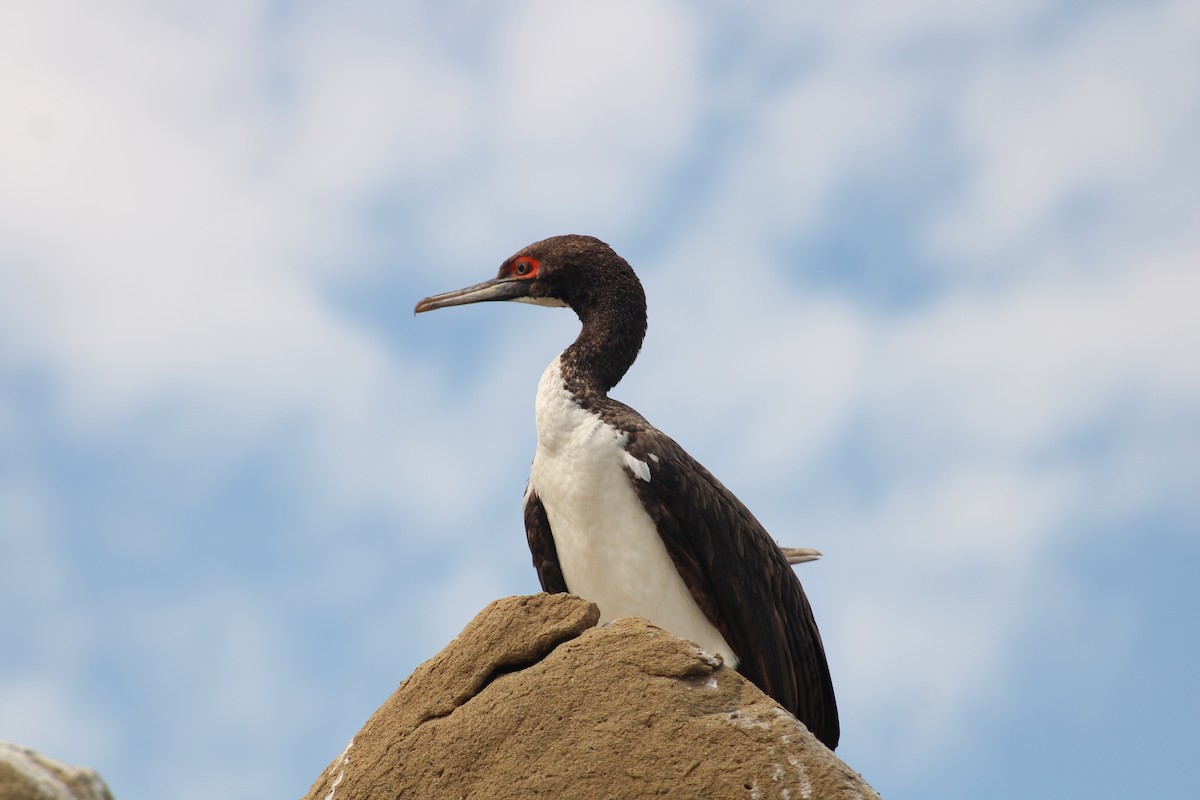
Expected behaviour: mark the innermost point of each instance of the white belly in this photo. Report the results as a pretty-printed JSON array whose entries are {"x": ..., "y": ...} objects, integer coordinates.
[{"x": 608, "y": 548}]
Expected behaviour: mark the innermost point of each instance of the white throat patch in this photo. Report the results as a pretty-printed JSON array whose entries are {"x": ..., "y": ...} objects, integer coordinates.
[{"x": 549, "y": 302}]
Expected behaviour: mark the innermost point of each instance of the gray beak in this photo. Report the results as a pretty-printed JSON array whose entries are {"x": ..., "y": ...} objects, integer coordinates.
[{"x": 495, "y": 289}]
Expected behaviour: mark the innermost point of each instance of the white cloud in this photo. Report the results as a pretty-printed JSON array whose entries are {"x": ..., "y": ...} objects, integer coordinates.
[
  {"x": 816, "y": 136},
  {"x": 1018, "y": 373},
  {"x": 1084, "y": 118},
  {"x": 881, "y": 31},
  {"x": 138, "y": 251},
  {"x": 148, "y": 265},
  {"x": 368, "y": 105},
  {"x": 586, "y": 110},
  {"x": 780, "y": 374},
  {"x": 617, "y": 80}
]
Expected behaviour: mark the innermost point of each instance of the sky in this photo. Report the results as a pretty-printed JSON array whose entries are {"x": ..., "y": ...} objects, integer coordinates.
[{"x": 922, "y": 281}]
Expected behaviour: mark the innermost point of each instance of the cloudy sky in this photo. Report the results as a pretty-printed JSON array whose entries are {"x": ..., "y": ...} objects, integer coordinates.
[{"x": 922, "y": 278}]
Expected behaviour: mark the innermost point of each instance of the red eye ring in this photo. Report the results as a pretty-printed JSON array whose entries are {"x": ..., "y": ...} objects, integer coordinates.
[{"x": 525, "y": 267}]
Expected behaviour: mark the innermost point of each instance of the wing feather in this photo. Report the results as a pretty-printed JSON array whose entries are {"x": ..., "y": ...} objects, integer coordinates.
[
  {"x": 541, "y": 544},
  {"x": 740, "y": 579}
]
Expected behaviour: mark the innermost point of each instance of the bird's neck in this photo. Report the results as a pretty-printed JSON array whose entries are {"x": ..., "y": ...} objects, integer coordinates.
[{"x": 606, "y": 346}]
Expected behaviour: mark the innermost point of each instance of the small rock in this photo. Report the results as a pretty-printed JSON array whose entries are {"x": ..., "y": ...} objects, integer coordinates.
[{"x": 27, "y": 775}]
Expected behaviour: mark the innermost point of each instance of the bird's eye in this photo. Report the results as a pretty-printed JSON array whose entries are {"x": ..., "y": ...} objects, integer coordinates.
[{"x": 525, "y": 267}]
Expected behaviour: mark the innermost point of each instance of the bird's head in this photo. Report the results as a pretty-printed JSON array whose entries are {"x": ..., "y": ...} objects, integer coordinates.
[{"x": 577, "y": 271}]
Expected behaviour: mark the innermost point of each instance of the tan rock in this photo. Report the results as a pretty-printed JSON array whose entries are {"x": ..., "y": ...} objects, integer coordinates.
[
  {"x": 28, "y": 775},
  {"x": 532, "y": 700}
]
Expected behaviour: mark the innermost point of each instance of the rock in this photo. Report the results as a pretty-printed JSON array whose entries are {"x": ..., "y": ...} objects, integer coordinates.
[
  {"x": 28, "y": 775},
  {"x": 533, "y": 700}
]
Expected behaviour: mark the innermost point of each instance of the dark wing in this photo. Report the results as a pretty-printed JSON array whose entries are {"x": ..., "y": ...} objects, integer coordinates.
[
  {"x": 541, "y": 544},
  {"x": 739, "y": 578}
]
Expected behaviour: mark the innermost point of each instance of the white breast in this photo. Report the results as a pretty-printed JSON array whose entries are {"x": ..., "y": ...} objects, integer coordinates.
[{"x": 608, "y": 548}]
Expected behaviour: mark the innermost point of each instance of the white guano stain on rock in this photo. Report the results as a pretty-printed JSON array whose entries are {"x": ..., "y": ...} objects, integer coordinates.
[
  {"x": 802, "y": 782},
  {"x": 342, "y": 761}
]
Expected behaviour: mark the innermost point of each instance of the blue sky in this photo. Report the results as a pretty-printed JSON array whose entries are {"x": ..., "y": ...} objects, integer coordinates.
[{"x": 922, "y": 283}]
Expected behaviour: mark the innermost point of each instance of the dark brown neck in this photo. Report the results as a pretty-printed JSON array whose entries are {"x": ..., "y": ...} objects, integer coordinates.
[{"x": 614, "y": 324}]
